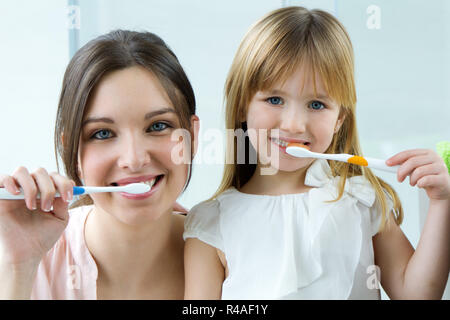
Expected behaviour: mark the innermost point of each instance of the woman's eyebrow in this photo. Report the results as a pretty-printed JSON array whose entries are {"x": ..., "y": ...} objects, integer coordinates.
[
  {"x": 158, "y": 112},
  {"x": 94, "y": 119},
  {"x": 108, "y": 120}
]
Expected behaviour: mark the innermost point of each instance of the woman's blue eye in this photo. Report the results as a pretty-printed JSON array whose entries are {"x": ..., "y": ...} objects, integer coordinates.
[
  {"x": 158, "y": 126},
  {"x": 317, "y": 105},
  {"x": 102, "y": 134},
  {"x": 275, "y": 100}
]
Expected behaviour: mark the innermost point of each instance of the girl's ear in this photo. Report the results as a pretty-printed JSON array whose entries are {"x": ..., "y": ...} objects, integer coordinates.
[
  {"x": 195, "y": 125},
  {"x": 339, "y": 121}
]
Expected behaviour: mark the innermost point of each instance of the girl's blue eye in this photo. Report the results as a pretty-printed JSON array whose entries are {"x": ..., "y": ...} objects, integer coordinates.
[
  {"x": 158, "y": 126},
  {"x": 275, "y": 100},
  {"x": 102, "y": 134},
  {"x": 317, "y": 105}
]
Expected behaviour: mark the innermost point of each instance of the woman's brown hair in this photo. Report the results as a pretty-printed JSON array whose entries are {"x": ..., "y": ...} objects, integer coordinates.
[{"x": 114, "y": 51}]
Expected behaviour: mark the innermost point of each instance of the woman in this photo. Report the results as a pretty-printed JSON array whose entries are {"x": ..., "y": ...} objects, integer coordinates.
[{"x": 123, "y": 97}]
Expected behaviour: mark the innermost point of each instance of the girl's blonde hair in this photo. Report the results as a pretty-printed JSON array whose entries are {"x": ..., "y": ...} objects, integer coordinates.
[{"x": 270, "y": 52}]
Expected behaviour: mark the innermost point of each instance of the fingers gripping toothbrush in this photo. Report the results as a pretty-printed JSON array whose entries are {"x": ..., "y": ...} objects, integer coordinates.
[{"x": 133, "y": 188}]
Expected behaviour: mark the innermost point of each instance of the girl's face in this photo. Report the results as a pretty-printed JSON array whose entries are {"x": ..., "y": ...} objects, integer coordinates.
[
  {"x": 126, "y": 138},
  {"x": 300, "y": 116}
]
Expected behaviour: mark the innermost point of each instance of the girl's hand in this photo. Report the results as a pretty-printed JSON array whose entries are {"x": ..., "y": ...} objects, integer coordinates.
[
  {"x": 30, "y": 227},
  {"x": 426, "y": 170}
]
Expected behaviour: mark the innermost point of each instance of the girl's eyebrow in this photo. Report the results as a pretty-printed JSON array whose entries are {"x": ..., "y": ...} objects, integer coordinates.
[
  {"x": 275, "y": 91},
  {"x": 146, "y": 117},
  {"x": 282, "y": 93}
]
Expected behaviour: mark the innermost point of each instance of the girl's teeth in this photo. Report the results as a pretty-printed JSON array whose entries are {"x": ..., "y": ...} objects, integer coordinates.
[{"x": 280, "y": 142}]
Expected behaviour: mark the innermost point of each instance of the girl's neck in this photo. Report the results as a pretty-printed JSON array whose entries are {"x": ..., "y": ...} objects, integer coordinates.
[
  {"x": 132, "y": 257},
  {"x": 282, "y": 182}
]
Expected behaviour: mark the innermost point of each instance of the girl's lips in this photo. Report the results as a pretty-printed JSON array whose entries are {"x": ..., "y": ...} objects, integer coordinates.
[{"x": 142, "y": 196}]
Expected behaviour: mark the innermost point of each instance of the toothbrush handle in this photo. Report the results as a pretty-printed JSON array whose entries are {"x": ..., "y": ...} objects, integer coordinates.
[
  {"x": 5, "y": 195},
  {"x": 380, "y": 165}
]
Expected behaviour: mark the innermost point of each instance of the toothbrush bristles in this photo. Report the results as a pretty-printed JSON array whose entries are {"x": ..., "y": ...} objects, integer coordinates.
[
  {"x": 137, "y": 188},
  {"x": 301, "y": 145}
]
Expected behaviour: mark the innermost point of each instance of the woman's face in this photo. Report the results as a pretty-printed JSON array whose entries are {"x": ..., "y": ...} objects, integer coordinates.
[
  {"x": 298, "y": 113},
  {"x": 126, "y": 138}
]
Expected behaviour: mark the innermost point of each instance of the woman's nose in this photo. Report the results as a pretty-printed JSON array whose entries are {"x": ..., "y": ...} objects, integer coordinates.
[
  {"x": 293, "y": 119},
  {"x": 133, "y": 154}
]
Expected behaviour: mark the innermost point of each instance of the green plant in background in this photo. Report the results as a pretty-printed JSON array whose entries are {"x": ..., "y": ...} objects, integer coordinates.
[{"x": 443, "y": 149}]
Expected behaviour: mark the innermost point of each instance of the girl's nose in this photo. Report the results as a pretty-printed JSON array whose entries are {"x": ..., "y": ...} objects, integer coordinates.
[
  {"x": 293, "y": 119},
  {"x": 133, "y": 154}
]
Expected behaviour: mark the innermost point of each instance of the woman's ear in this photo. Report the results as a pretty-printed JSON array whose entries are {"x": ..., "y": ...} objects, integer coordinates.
[
  {"x": 195, "y": 125},
  {"x": 78, "y": 164}
]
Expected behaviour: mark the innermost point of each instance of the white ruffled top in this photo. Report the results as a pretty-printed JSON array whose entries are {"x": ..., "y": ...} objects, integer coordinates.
[{"x": 294, "y": 246}]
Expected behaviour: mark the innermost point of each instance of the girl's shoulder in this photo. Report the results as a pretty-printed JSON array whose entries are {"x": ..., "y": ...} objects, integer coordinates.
[{"x": 202, "y": 222}]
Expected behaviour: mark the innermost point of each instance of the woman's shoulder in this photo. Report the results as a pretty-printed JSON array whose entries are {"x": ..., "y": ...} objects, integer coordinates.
[{"x": 77, "y": 219}]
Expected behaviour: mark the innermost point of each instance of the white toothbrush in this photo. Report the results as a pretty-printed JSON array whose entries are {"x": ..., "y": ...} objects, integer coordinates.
[
  {"x": 133, "y": 188},
  {"x": 301, "y": 151}
]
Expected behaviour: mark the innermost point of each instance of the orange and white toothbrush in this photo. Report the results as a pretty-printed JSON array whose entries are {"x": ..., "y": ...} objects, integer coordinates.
[{"x": 301, "y": 151}]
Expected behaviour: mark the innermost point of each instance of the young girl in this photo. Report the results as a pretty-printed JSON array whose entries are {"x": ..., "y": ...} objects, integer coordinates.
[
  {"x": 310, "y": 229},
  {"x": 123, "y": 96}
]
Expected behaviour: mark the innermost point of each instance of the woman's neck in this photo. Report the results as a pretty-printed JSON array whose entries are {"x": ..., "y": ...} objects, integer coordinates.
[
  {"x": 134, "y": 257},
  {"x": 282, "y": 182}
]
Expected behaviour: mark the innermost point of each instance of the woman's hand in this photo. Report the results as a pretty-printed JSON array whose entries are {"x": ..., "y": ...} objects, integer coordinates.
[
  {"x": 30, "y": 227},
  {"x": 426, "y": 170}
]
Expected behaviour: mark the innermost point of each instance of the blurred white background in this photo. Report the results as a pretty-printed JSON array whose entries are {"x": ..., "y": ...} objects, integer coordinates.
[{"x": 402, "y": 51}]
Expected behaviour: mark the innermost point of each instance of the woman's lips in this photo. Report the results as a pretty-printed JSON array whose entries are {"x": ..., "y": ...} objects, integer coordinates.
[{"x": 145, "y": 195}]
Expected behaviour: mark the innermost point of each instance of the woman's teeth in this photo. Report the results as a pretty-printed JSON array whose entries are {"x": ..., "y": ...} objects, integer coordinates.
[{"x": 150, "y": 183}]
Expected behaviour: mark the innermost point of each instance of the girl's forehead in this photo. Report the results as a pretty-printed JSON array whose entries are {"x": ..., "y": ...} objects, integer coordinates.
[{"x": 303, "y": 79}]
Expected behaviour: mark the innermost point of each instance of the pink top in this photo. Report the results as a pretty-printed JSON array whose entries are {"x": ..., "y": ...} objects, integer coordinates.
[{"x": 68, "y": 270}]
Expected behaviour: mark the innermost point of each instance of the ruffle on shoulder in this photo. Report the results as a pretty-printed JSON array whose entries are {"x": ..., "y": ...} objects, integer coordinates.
[
  {"x": 203, "y": 222},
  {"x": 319, "y": 175}
]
